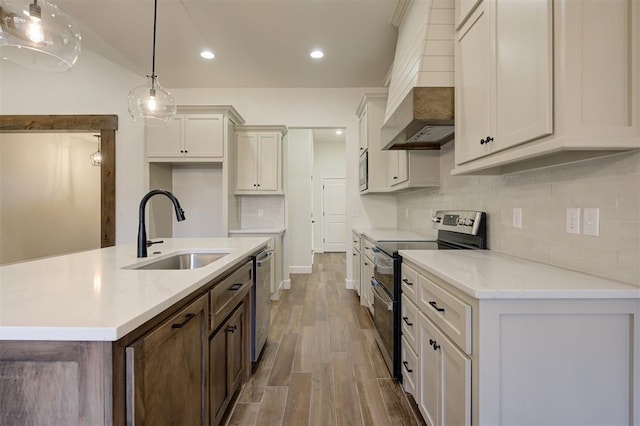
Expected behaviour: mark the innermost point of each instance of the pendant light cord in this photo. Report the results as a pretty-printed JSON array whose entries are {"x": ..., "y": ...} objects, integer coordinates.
[{"x": 153, "y": 60}]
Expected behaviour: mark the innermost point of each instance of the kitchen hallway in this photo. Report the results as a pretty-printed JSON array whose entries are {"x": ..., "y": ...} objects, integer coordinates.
[{"x": 321, "y": 364}]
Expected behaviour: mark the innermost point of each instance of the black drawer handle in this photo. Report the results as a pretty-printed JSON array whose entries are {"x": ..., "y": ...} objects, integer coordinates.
[
  {"x": 406, "y": 281},
  {"x": 406, "y": 366},
  {"x": 231, "y": 328},
  {"x": 406, "y": 320},
  {"x": 435, "y": 306},
  {"x": 434, "y": 344},
  {"x": 187, "y": 318},
  {"x": 235, "y": 287}
]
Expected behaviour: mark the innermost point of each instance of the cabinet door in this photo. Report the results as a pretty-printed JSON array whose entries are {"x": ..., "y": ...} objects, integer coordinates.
[
  {"x": 246, "y": 161},
  {"x": 204, "y": 135},
  {"x": 356, "y": 271},
  {"x": 367, "y": 276},
  {"x": 268, "y": 162},
  {"x": 403, "y": 166},
  {"x": 473, "y": 85},
  {"x": 430, "y": 367},
  {"x": 165, "y": 141},
  {"x": 236, "y": 338},
  {"x": 524, "y": 71},
  {"x": 456, "y": 385},
  {"x": 364, "y": 133},
  {"x": 166, "y": 370},
  {"x": 392, "y": 171}
]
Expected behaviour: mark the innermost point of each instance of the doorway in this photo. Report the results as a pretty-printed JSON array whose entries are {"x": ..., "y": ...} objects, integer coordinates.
[{"x": 103, "y": 125}]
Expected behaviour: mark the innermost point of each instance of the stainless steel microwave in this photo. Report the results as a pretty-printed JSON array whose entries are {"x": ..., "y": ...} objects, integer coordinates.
[{"x": 364, "y": 171}]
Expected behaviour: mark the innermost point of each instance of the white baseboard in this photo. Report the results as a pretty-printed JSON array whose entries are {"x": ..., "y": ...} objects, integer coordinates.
[
  {"x": 286, "y": 284},
  {"x": 319, "y": 250},
  {"x": 300, "y": 269},
  {"x": 349, "y": 283}
]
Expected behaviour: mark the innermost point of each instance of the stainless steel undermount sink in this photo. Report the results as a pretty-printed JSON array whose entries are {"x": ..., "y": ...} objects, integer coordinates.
[{"x": 182, "y": 261}]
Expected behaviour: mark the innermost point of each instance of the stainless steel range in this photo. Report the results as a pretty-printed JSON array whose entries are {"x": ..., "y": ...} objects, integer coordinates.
[{"x": 457, "y": 230}]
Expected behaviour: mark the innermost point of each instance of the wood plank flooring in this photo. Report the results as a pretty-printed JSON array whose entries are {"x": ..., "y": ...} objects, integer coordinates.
[{"x": 321, "y": 364}]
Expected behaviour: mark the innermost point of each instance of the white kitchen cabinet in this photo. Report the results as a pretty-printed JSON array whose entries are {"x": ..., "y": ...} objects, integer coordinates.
[
  {"x": 356, "y": 262},
  {"x": 190, "y": 137},
  {"x": 546, "y": 82},
  {"x": 445, "y": 384},
  {"x": 371, "y": 115},
  {"x": 366, "y": 273},
  {"x": 259, "y": 159},
  {"x": 574, "y": 359},
  {"x": 503, "y": 77},
  {"x": 413, "y": 169}
]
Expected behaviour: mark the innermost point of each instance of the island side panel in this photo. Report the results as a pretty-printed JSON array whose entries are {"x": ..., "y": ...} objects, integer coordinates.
[{"x": 55, "y": 383}]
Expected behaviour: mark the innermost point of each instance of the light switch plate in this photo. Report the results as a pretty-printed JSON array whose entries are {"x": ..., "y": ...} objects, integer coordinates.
[
  {"x": 517, "y": 217},
  {"x": 573, "y": 220},
  {"x": 591, "y": 222}
]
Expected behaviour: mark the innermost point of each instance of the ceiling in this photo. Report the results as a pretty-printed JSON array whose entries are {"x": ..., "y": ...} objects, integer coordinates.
[{"x": 257, "y": 43}]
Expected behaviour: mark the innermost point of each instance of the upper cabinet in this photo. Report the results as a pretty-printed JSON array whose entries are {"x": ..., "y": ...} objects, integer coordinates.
[
  {"x": 370, "y": 112},
  {"x": 258, "y": 159},
  {"x": 413, "y": 169},
  {"x": 544, "y": 82},
  {"x": 196, "y": 134}
]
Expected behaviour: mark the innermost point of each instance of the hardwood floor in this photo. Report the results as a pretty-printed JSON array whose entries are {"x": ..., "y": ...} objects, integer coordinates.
[{"x": 321, "y": 364}]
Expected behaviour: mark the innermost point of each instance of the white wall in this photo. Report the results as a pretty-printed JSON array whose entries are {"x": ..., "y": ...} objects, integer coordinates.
[
  {"x": 50, "y": 195},
  {"x": 328, "y": 162},
  {"x": 93, "y": 86},
  {"x": 299, "y": 231}
]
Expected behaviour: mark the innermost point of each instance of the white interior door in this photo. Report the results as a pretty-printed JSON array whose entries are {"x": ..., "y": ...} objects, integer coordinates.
[{"x": 334, "y": 218}]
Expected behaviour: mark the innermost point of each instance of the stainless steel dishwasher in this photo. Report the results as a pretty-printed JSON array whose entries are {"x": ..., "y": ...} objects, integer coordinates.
[{"x": 260, "y": 303}]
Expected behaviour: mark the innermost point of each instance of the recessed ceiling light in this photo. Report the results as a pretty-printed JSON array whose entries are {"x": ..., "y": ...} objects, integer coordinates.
[
  {"x": 316, "y": 54},
  {"x": 207, "y": 54},
  {"x": 339, "y": 132}
]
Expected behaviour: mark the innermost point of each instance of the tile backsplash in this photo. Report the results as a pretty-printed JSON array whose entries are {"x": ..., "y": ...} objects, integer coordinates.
[
  {"x": 611, "y": 184},
  {"x": 261, "y": 211}
]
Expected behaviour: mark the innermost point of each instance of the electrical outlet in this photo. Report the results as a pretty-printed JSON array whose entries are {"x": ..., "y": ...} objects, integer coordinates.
[
  {"x": 591, "y": 224},
  {"x": 517, "y": 217},
  {"x": 260, "y": 212},
  {"x": 573, "y": 220}
]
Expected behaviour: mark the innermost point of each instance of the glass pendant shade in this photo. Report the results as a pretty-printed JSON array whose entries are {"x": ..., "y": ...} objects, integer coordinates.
[
  {"x": 96, "y": 158},
  {"x": 37, "y": 34},
  {"x": 152, "y": 103}
]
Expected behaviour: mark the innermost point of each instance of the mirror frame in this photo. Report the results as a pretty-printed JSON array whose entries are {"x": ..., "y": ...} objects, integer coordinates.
[{"x": 106, "y": 125}]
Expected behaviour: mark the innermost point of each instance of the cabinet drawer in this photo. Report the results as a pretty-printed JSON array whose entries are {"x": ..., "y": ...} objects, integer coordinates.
[
  {"x": 226, "y": 295},
  {"x": 451, "y": 314},
  {"x": 409, "y": 279},
  {"x": 367, "y": 248},
  {"x": 409, "y": 321},
  {"x": 409, "y": 361},
  {"x": 356, "y": 241}
]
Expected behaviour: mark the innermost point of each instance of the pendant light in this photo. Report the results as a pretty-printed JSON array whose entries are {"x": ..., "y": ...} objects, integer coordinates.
[
  {"x": 96, "y": 157},
  {"x": 38, "y": 34},
  {"x": 151, "y": 102}
]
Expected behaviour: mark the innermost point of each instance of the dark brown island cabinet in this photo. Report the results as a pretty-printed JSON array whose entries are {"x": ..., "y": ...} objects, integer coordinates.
[{"x": 185, "y": 366}]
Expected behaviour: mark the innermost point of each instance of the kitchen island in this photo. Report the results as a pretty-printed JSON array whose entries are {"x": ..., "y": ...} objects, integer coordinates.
[{"x": 81, "y": 335}]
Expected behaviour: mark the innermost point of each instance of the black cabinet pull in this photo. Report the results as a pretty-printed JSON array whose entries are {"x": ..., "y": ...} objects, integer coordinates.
[
  {"x": 406, "y": 281},
  {"x": 231, "y": 328},
  {"x": 187, "y": 318},
  {"x": 395, "y": 177},
  {"x": 235, "y": 287},
  {"x": 434, "y": 344},
  {"x": 406, "y": 366},
  {"x": 435, "y": 306},
  {"x": 406, "y": 320},
  {"x": 487, "y": 140},
  {"x": 354, "y": 254},
  {"x": 366, "y": 264}
]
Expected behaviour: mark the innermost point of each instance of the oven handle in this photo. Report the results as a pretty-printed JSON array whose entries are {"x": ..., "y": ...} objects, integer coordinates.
[{"x": 382, "y": 295}]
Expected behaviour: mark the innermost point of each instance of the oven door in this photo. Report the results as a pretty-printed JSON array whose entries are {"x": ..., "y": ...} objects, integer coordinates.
[{"x": 383, "y": 307}]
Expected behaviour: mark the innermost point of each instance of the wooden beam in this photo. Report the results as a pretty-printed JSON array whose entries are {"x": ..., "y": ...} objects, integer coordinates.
[{"x": 57, "y": 123}]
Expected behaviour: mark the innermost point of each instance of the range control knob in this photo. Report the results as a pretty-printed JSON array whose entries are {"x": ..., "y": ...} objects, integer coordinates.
[
  {"x": 460, "y": 221},
  {"x": 468, "y": 222}
]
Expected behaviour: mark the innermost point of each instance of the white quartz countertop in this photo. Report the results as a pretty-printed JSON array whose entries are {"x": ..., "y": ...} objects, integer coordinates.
[
  {"x": 88, "y": 296},
  {"x": 269, "y": 231},
  {"x": 392, "y": 234},
  {"x": 484, "y": 274}
]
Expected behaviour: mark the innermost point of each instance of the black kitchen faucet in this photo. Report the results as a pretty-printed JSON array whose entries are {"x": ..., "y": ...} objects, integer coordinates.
[{"x": 143, "y": 243}]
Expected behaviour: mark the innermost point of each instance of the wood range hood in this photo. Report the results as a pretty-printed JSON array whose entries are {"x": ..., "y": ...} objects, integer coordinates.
[{"x": 423, "y": 120}]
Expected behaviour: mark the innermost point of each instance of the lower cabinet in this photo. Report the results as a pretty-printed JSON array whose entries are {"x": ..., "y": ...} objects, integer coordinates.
[
  {"x": 444, "y": 397},
  {"x": 356, "y": 270},
  {"x": 166, "y": 370},
  {"x": 228, "y": 358}
]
